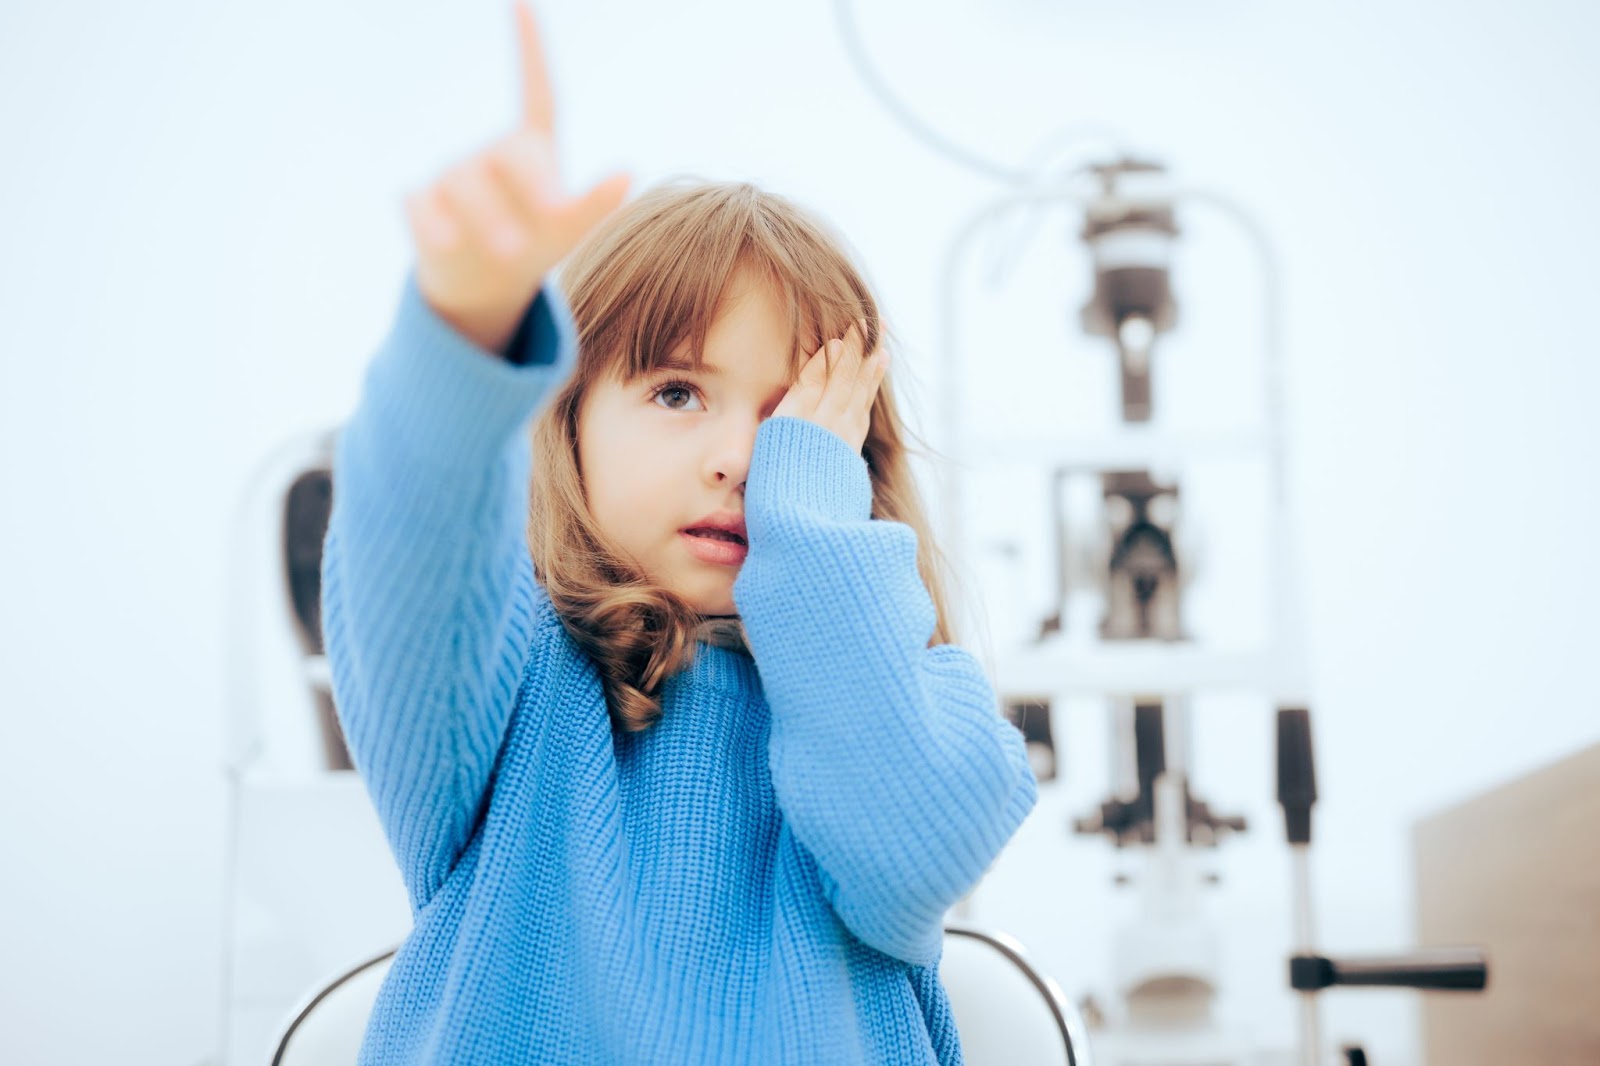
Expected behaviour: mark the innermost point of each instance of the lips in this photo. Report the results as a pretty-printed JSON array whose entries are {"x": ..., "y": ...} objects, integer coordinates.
[
  {"x": 719, "y": 547},
  {"x": 725, "y": 525},
  {"x": 716, "y": 534}
]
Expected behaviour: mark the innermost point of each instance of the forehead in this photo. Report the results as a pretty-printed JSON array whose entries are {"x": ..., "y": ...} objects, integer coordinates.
[{"x": 751, "y": 333}]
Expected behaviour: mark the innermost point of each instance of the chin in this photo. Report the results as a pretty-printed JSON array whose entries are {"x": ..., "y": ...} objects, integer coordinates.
[{"x": 712, "y": 604}]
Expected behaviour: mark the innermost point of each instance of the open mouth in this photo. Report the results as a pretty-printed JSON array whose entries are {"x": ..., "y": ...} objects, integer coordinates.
[
  {"x": 717, "y": 547},
  {"x": 716, "y": 534}
]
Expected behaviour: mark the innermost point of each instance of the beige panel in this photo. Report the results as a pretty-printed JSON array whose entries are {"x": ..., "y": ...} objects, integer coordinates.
[{"x": 1516, "y": 871}]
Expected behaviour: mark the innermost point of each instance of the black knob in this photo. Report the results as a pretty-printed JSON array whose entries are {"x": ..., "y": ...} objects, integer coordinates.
[{"x": 1297, "y": 773}]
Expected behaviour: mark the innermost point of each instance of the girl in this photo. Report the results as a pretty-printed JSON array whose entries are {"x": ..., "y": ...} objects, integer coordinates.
[{"x": 658, "y": 708}]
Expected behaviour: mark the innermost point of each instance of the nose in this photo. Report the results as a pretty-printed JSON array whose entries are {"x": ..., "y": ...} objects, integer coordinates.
[{"x": 728, "y": 458}]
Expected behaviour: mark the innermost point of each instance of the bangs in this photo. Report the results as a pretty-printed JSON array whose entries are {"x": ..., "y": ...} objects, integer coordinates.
[{"x": 682, "y": 254}]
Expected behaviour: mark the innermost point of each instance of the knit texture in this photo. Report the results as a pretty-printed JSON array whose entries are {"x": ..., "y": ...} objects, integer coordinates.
[{"x": 762, "y": 877}]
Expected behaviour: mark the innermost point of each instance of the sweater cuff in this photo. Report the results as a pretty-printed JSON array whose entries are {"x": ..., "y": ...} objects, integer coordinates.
[
  {"x": 797, "y": 462},
  {"x": 451, "y": 402}
]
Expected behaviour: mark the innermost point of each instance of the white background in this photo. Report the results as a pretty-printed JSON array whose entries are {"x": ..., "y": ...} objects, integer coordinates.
[{"x": 201, "y": 243}]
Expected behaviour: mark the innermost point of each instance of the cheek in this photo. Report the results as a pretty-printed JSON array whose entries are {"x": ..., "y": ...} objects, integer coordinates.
[
  {"x": 601, "y": 433},
  {"x": 617, "y": 485}
]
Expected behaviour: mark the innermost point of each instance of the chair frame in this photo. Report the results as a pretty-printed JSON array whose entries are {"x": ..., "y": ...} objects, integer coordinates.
[
  {"x": 323, "y": 992},
  {"x": 1068, "y": 1020}
]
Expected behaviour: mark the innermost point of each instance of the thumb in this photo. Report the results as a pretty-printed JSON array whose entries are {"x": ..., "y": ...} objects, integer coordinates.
[{"x": 591, "y": 209}]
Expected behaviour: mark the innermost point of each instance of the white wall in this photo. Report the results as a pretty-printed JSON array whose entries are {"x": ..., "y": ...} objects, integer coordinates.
[{"x": 201, "y": 242}]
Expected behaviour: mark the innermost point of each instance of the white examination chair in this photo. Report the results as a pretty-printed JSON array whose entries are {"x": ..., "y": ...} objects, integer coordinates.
[
  {"x": 1008, "y": 1013},
  {"x": 309, "y": 880}
]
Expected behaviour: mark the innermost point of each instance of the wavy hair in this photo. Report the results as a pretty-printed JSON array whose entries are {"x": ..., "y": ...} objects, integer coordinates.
[{"x": 649, "y": 279}]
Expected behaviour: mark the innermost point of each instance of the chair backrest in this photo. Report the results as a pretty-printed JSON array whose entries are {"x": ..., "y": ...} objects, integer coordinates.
[
  {"x": 328, "y": 1027},
  {"x": 1006, "y": 1009},
  {"x": 1007, "y": 1012}
]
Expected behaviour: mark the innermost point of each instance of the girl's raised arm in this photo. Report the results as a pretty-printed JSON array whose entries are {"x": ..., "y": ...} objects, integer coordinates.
[
  {"x": 427, "y": 585},
  {"x": 493, "y": 226}
]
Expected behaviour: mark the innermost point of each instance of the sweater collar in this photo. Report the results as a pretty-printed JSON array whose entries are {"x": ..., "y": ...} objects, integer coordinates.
[{"x": 723, "y": 632}]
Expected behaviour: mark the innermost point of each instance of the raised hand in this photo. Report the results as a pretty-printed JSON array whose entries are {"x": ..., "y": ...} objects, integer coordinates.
[
  {"x": 837, "y": 385},
  {"x": 493, "y": 225}
]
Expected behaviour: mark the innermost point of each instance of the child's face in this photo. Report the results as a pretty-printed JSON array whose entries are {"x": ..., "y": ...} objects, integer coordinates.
[{"x": 655, "y": 461}]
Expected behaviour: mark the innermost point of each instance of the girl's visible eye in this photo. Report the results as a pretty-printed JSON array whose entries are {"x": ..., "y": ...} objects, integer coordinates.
[{"x": 672, "y": 387}]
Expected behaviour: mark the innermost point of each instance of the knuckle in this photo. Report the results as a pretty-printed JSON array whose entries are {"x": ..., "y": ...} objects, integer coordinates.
[
  {"x": 492, "y": 165},
  {"x": 465, "y": 185},
  {"x": 508, "y": 158},
  {"x": 520, "y": 180},
  {"x": 481, "y": 174},
  {"x": 522, "y": 164},
  {"x": 508, "y": 244}
]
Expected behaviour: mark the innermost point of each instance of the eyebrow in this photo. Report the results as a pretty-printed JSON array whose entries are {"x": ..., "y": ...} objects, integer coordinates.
[{"x": 682, "y": 363}]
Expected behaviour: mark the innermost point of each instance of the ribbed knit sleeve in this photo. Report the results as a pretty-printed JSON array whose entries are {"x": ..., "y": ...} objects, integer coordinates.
[
  {"x": 890, "y": 759},
  {"x": 427, "y": 584}
]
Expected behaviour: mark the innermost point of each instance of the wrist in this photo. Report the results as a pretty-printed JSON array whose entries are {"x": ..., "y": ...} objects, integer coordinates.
[{"x": 489, "y": 331}]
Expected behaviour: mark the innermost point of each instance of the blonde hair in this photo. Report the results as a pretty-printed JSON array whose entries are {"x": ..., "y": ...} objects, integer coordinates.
[{"x": 649, "y": 279}]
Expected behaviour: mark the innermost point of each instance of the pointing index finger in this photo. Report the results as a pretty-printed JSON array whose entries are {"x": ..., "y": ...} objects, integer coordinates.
[{"x": 536, "y": 107}]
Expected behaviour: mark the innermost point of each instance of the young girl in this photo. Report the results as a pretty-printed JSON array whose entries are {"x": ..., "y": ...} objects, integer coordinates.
[{"x": 658, "y": 708}]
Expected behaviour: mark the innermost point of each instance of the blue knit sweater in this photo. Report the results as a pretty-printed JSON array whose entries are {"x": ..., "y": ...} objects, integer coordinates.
[{"x": 761, "y": 877}]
